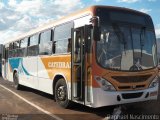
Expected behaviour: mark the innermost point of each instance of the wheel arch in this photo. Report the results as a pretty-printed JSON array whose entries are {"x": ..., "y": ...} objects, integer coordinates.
[{"x": 55, "y": 80}]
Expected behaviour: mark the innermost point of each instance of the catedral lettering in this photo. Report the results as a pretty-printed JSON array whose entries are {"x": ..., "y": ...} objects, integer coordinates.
[
  {"x": 59, "y": 65},
  {"x": 109, "y": 56}
]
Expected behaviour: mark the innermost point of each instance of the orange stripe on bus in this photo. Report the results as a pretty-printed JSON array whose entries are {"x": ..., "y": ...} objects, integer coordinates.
[{"x": 58, "y": 64}]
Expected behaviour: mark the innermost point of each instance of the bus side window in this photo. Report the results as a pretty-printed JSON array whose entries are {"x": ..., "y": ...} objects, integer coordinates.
[
  {"x": 77, "y": 48},
  {"x": 62, "y": 34},
  {"x": 33, "y": 45},
  {"x": 69, "y": 45},
  {"x": 10, "y": 46},
  {"x": 16, "y": 48},
  {"x": 10, "y": 50},
  {"x": 16, "y": 45},
  {"x": 54, "y": 47},
  {"x": 23, "y": 47},
  {"x": 6, "y": 54},
  {"x": 45, "y": 46}
]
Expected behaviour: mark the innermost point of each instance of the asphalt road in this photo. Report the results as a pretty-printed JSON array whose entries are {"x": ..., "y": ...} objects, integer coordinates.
[{"x": 43, "y": 107}]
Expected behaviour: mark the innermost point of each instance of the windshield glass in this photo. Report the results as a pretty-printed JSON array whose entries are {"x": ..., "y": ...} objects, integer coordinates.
[{"x": 125, "y": 47}]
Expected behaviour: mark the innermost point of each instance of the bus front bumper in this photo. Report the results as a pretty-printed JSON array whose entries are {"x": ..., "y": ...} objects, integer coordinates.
[{"x": 104, "y": 98}]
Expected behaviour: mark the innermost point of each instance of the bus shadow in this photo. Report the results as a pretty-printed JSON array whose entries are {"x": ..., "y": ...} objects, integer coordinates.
[
  {"x": 132, "y": 108},
  {"x": 31, "y": 90},
  {"x": 102, "y": 111}
]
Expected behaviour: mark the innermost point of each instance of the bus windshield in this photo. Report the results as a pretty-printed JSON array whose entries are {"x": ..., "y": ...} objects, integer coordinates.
[{"x": 126, "y": 47}]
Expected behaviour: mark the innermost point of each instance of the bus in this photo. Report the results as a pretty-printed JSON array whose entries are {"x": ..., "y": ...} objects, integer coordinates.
[{"x": 99, "y": 56}]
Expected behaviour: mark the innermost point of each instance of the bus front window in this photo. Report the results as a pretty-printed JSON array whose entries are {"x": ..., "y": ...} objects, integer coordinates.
[
  {"x": 121, "y": 48},
  {"x": 109, "y": 49}
]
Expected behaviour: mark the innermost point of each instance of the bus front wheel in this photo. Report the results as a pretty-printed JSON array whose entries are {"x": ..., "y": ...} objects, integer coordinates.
[
  {"x": 61, "y": 94},
  {"x": 16, "y": 81}
]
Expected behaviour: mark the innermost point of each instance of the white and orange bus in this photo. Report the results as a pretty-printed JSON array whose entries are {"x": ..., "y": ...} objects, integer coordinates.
[{"x": 97, "y": 57}]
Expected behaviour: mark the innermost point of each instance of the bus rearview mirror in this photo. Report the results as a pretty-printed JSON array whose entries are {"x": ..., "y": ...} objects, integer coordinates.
[{"x": 96, "y": 29}]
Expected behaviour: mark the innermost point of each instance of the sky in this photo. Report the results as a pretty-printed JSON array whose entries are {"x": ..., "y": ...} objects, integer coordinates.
[{"x": 19, "y": 16}]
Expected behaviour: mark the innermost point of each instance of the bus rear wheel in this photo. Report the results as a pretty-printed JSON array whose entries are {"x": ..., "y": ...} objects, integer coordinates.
[
  {"x": 16, "y": 81},
  {"x": 61, "y": 94}
]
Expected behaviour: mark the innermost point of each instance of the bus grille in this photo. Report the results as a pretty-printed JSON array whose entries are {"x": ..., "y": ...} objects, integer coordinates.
[
  {"x": 131, "y": 79},
  {"x": 131, "y": 95},
  {"x": 131, "y": 87}
]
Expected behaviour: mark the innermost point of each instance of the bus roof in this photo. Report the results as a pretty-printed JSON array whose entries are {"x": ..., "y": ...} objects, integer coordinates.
[{"x": 89, "y": 10}]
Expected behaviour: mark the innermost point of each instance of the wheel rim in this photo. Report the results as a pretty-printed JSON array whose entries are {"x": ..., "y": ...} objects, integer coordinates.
[{"x": 61, "y": 93}]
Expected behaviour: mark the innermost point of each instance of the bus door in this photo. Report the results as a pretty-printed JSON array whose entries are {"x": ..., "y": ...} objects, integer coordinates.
[
  {"x": 1, "y": 52},
  {"x": 79, "y": 65},
  {"x": 5, "y": 62}
]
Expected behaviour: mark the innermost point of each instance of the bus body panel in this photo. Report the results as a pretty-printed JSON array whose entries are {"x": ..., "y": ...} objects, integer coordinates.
[
  {"x": 39, "y": 72},
  {"x": 30, "y": 64},
  {"x": 50, "y": 67},
  {"x": 104, "y": 98}
]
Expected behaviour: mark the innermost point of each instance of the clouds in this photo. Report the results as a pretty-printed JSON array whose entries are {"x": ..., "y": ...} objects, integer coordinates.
[
  {"x": 128, "y": 1},
  {"x": 96, "y": 0},
  {"x": 27, "y": 7},
  {"x": 20, "y": 16},
  {"x": 144, "y": 10},
  {"x": 133, "y": 1},
  {"x": 1, "y": 5},
  {"x": 152, "y": 0},
  {"x": 12, "y": 3},
  {"x": 5, "y": 17},
  {"x": 43, "y": 8}
]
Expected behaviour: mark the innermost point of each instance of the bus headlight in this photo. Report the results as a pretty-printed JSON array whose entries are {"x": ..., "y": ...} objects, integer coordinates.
[
  {"x": 105, "y": 85},
  {"x": 154, "y": 82}
]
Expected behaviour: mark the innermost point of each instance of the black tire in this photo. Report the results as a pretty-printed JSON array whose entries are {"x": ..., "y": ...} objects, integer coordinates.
[
  {"x": 16, "y": 81},
  {"x": 61, "y": 94}
]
